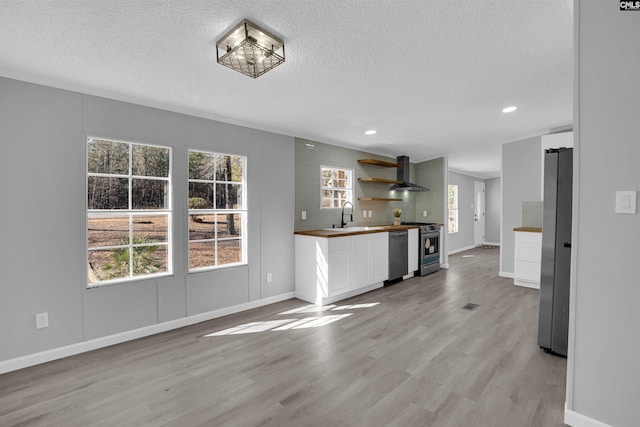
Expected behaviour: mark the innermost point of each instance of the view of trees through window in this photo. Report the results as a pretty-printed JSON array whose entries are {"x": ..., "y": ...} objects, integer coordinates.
[
  {"x": 336, "y": 186},
  {"x": 217, "y": 210},
  {"x": 128, "y": 210}
]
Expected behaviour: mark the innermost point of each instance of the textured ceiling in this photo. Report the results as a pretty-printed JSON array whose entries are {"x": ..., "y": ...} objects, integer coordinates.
[{"x": 430, "y": 76}]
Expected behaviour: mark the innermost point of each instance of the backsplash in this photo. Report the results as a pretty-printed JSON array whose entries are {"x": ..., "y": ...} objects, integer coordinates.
[{"x": 532, "y": 214}]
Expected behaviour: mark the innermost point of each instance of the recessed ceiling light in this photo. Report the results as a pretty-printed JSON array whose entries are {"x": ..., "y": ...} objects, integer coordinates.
[
  {"x": 370, "y": 132},
  {"x": 510, "y": 109}
]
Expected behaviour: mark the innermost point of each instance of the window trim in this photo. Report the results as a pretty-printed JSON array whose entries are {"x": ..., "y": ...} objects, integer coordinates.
[
  {"x": 129, "y": 212},
  {"x": 351, "y": 188},
  {"x": 244, "y": 216}
]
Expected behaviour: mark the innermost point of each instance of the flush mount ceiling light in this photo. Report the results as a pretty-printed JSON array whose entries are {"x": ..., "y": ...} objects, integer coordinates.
[
  {"x": 510, "y": 109},
  {"x": 370, "y": 132},
  {"x": 250, "y": 50}
]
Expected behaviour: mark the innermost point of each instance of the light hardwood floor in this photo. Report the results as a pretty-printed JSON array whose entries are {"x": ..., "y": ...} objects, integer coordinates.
[{"x": 404, "y": 355}]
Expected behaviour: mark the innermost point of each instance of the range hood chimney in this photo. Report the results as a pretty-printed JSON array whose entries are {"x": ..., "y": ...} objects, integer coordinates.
[{"x": 403, "y": 175}]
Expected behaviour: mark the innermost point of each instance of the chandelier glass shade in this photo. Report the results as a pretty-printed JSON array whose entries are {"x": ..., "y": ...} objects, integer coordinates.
[{"x": 250, "y": 50}]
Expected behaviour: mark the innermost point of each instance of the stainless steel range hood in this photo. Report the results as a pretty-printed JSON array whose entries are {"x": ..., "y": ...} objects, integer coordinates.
[{"x": 403, "y": 175}]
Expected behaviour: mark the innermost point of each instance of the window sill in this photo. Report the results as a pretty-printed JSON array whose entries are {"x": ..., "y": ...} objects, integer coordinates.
[
  {"x": 114, "y": 282},
  {"x": 217, "y": 267}
]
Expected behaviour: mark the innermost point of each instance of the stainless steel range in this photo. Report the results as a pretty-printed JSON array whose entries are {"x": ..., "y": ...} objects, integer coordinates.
[{"x": 428, "y": 247}]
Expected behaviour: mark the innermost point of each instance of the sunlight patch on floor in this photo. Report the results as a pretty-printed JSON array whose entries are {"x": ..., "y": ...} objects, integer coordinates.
[
  {"x": 313, "y": 322},
  {"x": 349, "y": 307},
  {"x": 287, "y": 324},
  {"x": 309, "y": 309},
  {"x": 253, "y": 327}
]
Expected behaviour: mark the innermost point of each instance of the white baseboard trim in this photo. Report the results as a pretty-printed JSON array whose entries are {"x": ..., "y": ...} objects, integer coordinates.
[
  {"x": 94, "y": 344},
  {"x": 443, "y": 265},
  {"x": 575, "y": 419},
  {"x": 319, "y": 301},
  {"x": 506, "y": 274},
  {"x": 491, "y": 243},
  {"x": 525, "y": 284},
  {"x": 466, "y": 248}
]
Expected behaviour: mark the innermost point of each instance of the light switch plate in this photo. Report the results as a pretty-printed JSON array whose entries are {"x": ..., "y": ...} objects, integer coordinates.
[
  {"x": 42, "y": 320},
  {"x": 626, "y": 202}
]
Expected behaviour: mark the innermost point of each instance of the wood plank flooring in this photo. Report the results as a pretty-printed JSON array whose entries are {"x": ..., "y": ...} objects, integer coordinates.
[{"x": 404, "y": 355}]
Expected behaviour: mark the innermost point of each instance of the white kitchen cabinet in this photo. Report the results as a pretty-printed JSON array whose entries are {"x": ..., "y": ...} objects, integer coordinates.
[
  {"x": 378, "y": 257},
  {"x": 331, "y": 269},
  {"x": 527, "y": 259},
  {"x": 339, "y": 263},
  {"x": 369, "y": 259},
  {"x": 360, "y": 259},
  {"x": 413, "y": 251}
]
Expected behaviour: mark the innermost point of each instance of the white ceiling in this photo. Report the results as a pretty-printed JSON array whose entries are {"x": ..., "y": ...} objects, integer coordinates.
[{"x": 430, "y": 76}]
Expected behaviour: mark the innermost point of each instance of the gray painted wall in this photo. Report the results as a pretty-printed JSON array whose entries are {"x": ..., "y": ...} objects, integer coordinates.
[
  {"x": 604, "y": 377},
  {"x": 466, "y": 189},
  {"x": 492, "y": 226},
  {"x": 521, "y": 172},
  {"x": 432, "y": 174},
  {"x": 307, "y": 187},
  {"x": 42, "y": 249}
]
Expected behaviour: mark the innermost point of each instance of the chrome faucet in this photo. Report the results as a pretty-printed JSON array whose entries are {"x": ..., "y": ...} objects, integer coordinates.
[{"x": 343, "y": 223}]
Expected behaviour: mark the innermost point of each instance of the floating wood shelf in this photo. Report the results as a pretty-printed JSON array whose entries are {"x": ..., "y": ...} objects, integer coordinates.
[
  {"x": 377, "y": 199},
  {"x": 375, "y": 162},
  {"x": 382, "y": 180}
]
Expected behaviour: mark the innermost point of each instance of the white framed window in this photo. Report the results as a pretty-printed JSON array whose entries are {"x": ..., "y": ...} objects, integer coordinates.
[
  {"x": 217, "y": 210},
  {"x": 128, "y": 211},
  {"x": 336, "y": 187},
  {"x": 453, "y": 209}
]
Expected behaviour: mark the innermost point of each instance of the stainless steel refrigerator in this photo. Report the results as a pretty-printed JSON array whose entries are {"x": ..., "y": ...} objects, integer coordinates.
[{"x": 553, "y": 320}]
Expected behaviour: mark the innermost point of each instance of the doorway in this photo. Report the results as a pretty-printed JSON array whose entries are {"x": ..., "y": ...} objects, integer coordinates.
[{"x": 478, "y": 213}]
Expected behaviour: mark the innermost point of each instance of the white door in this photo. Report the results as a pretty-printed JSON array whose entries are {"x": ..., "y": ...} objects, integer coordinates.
[{"x": 478, "y": 213}]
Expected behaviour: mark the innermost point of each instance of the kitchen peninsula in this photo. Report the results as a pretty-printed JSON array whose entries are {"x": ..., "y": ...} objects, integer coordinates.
[{"x": 337, "y": 263}]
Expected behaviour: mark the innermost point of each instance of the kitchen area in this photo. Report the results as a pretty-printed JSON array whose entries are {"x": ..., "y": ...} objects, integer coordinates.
[{"x": 355, "y": 247}]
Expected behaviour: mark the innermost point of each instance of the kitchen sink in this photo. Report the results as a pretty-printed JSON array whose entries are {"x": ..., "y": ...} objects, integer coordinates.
[{"x": 356, "y": 228}]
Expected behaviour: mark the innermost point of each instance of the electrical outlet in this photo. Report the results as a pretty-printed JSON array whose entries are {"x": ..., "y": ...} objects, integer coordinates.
[
  {"x": 424, "y": 213},
  {"x": 42, "y": 320},
  {"x": 269, "y": 278},
  {"x": 304, "y": 215},
  {"x": 370, "y": 213}
]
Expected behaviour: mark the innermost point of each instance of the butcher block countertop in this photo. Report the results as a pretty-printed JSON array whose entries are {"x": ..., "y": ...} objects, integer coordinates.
[
  {"x": 529, "y": 229},
  {"x": 352, "y": 231}
]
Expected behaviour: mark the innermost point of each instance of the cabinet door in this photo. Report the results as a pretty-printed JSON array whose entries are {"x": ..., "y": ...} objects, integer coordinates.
[
  {"x": 339, "y": 262},
  {"x": 378, "y": 257},
  {"x": 528, "y": 246},
  {"x": 527, "y": 270},
  {"x": 359, "y": 261},
  {"x": 528, "y": 249}
]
